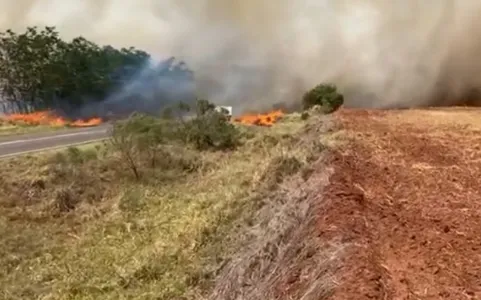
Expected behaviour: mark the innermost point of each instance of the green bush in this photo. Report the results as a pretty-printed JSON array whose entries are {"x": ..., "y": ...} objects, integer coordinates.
[
  {"x": 207, "y": 129},
  {"x": 324, "y": 95},
  {"x": 213, "y": 131},
  {"x": 142, "y": 142},
  {"x": 204, "y": 107}
]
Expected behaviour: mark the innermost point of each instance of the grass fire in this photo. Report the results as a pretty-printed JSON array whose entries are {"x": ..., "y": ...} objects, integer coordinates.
[
  {"x": 264, "y": 119},
  {"x": 50, "y": 119}
]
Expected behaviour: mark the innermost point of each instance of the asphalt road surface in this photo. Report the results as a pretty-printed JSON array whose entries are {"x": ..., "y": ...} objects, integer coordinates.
[{"x": 26, "y": 143}]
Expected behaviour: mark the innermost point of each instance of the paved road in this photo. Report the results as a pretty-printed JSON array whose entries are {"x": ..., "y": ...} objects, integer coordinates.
[{"x": 25, "y": 143}]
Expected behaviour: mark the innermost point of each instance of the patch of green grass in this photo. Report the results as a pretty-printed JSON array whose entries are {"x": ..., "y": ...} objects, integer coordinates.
[{"x": 74, "y": 225}]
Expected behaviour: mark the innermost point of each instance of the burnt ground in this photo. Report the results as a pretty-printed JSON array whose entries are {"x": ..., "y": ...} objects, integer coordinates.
[{"x": 405, "y": 197}]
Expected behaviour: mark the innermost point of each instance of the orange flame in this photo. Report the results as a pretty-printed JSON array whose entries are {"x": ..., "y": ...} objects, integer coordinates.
[
  {"x": 86, "y": 123},
  {"x": 48, "y": 118},
  {"x": 266, "y": 119}
]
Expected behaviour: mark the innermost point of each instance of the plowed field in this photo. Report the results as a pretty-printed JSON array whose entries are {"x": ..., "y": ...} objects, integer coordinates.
[{"x": 406, "y": 197}]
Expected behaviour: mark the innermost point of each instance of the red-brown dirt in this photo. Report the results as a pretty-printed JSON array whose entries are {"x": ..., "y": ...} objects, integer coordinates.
[{"x": 406, "y": 199}]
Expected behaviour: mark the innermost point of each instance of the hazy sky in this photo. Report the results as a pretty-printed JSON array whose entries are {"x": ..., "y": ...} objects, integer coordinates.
[
  {"x": 116, "y": 22},
  {"x": 258, "y": 51}
]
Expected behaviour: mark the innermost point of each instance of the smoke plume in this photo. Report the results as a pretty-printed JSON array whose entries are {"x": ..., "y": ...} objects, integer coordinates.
[{"x": 256, "y": 53}]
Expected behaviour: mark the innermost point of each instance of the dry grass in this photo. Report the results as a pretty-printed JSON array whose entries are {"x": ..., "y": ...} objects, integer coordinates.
[
  {"x": 73, "y": 225},
  {"x": 280, "y": 246},
  {"x": 8, "y": 128}
]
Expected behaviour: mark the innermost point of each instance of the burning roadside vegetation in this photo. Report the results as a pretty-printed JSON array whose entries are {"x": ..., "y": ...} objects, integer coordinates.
[
  {"x": 266, "y": 119},
  {"x": 49, "y": 118},
  {"x": 168, "y": 204},
  {"x": 324, "y": 96}
]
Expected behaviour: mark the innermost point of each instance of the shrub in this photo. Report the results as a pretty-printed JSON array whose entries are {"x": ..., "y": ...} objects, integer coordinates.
[
  {"x": 138, "y": 139},
  {"x": 204, "y": 107},
  {"x": 324, "y": 95},
  {"x": 142, "y": 141},
  {"x": 304, "y": 115},
  {"x": 209, "y": 129},
  {"x": 65, "y": 200},
  {"x": 206, "y": 129}
]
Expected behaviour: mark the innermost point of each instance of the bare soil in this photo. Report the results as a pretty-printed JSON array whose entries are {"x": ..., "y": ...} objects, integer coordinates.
[
  {"x": 397, "y": 215},
  {"x": 405, "y": 197}
]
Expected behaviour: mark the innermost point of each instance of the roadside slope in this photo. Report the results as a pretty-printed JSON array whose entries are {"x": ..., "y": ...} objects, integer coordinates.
[
  {"x": 391, "y": 210},
  {"x": 405, "y": 200}
]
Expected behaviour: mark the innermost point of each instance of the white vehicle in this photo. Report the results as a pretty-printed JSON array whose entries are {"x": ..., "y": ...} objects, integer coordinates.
[{"x": 227, "y": 110}]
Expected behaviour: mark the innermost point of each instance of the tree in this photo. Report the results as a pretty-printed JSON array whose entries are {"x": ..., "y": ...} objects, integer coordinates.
[{"x": 39, "y": 70}]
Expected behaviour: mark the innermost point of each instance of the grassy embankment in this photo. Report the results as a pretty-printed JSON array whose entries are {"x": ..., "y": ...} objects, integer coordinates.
[{"x": 77, "y": 224}]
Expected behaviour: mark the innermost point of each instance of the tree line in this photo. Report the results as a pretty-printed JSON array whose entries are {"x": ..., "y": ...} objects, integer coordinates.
[{"x": 39, "y": 70}]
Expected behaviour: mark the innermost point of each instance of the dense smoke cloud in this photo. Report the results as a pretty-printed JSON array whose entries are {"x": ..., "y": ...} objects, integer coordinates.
[{"x": 255, "y": 53}]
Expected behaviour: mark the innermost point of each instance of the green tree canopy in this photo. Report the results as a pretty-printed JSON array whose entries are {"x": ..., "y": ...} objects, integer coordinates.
[{"x": 39, "y": 70}]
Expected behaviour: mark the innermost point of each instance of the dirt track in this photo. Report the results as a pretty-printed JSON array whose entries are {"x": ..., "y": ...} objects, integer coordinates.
[{"x": 406, "y": 197}]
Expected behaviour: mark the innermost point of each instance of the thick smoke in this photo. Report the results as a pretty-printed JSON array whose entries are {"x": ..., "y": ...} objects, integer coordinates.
[{"x": 256, "y": 53}]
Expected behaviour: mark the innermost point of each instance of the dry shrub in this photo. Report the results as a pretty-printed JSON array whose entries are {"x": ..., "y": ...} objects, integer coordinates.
[
  {"x": 278, "y": 168},
  {"x": 138, "y": 139},
  {"x": 65, "y": 200},
  {"x": 71, "y": 188}
]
